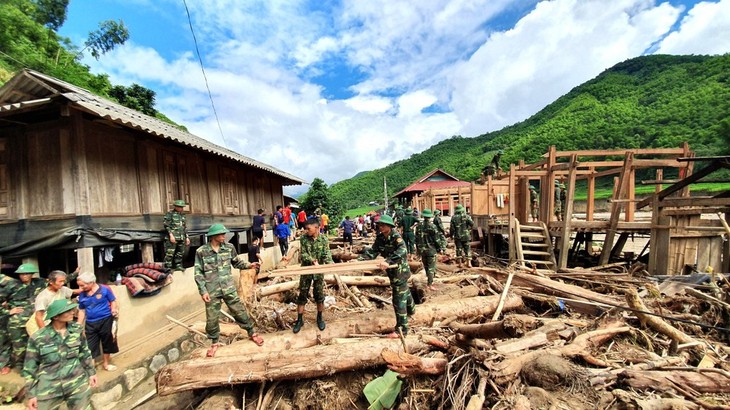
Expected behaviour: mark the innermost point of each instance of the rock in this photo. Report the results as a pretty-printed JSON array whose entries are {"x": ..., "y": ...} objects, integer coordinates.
[
  {"x": 157, "y": 362},
  {"x": 103, "y": 399},
  {"x": 187, "y": 346},
  {"x": 173, "y": 354},
  {"x": 132, "y": 377}
]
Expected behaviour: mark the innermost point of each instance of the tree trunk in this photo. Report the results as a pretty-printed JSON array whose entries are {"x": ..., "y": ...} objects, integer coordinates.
[
  {"x": 662, "y": 380},
  {"x": 246, "y": 284},
  {"x": 308, "y": 363},
  {"x": 222, "y": 398}
]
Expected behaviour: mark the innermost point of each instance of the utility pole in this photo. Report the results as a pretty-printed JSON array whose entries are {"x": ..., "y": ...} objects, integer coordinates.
[{"x": 385, "y": 193}]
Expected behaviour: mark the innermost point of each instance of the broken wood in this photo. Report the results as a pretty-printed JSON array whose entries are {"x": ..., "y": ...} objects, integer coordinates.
[
  {"x": 409, "y": 365},
  {"x": 705, "y": 383},
  {"x": 246, "y": 285},
  {"x": 656, "y": 323},
  {"x": 330, "y": 268}
]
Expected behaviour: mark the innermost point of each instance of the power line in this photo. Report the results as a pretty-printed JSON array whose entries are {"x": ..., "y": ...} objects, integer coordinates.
[{"x": 200, "y": 59}]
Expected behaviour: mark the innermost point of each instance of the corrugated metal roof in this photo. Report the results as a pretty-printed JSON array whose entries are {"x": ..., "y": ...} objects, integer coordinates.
[
  {"x": 32, "y": 84},
  {"x": 422, "y": 184}
]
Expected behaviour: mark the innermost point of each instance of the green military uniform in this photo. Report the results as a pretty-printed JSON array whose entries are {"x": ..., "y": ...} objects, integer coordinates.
[
  {"x": 558, "y": 203},
  {"x": 438, "y": 222},
  {"x": 429, "y": 242},
  {"x": 213, "y": 276},
  {"x": 534, "y": 203},
  {"x": 393, "y": 249},
  {"x": 461, "y": 227},
  {"x": 6, "y": 285},
  {"x": 563, "y": 197},
  {"x": 57, "y": 368},
  {"x": 407, "y": 223},
  {"x": 398, "y": 214},
  {"x": 176, "y": 226},
  {"x": 313, "y": 250},
  {"x": 22, "y": 296}
]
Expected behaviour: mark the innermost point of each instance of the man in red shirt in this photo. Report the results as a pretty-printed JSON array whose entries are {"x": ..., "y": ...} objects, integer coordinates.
[
  {"x": 287, "y": 213},
  {"x": 301, "y": 219}
]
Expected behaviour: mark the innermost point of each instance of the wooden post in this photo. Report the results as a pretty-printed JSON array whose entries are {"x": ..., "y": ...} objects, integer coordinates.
[
  {"x": 548, "y": 192},
  {"x": 631, "y": 205},
  {"x": 591, "y": 199},
  {"x": 688, "y": 170},
  {"x": 618, "y": 194},
  {"x": 569, "y": 195},
  {"x": 659, "y": 177},
  {"x": 512, "y": 220},
  {"x": 490, "y": 202},
  {"x": 659, "y": 241},
  {"x": 148, "y": 253},
  {"x": 85, "y": 258}
]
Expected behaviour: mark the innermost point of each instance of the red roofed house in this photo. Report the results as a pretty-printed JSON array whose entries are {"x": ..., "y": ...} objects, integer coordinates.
[{"x": 437, "y": 190}]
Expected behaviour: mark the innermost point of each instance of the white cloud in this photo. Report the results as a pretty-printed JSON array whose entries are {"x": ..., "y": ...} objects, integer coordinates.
[
  {"x": 413, "y": 103},
  {"x": 705, "y": 30}
]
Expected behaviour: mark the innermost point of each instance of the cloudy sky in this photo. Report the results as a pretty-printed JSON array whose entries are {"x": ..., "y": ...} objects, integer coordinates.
[{"x": 329, "y": 88}]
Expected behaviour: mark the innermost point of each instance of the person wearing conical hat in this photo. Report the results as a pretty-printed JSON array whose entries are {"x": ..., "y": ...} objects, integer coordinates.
[
  {"x": 58, "y": 365},
  {"x": 213, "y": 263},
  {"x": 429, "y": 242},
  {"x": 177, "y": 236}
]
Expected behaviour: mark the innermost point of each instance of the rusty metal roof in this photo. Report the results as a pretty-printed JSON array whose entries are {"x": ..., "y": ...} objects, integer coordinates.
[{"x": 29, "y": 88}]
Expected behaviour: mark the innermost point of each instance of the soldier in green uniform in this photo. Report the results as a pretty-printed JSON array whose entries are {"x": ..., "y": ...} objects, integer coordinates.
[
  {"x": 21, "y": 305},
  {"x": 563, "y": 198},
  {"x": 315, "y": 250},
  {"x": 6, "y": 286},
  {"x": 534, "y": 203},
  {"x": 429, "y": 242},
  {"x": 398, "y": 214},
  {"x": 177, "y": 236},
  {"x": 460, "y": 229},
  {"x": 438, "y": 223},
  {"x": 407, "y": 223},
  {"x": 58, "y": 366},
  {"x": 213, "y": 276},
  {"x": 558, "y": 203},
  {"x": 391, "y": 246}
]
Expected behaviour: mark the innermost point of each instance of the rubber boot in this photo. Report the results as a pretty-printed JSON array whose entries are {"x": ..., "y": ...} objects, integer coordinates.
[
  {"x": 320, "y": 321},
  {"x": 298, "y": 324}
]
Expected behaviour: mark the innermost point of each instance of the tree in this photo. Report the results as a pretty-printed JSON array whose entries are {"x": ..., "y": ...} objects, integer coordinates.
[
  {"x": 318, "y": 197},
  {"x": 51, "y": 13},
  {"x": 109, "y": 35},
  {"x": 135, "y": 97}
]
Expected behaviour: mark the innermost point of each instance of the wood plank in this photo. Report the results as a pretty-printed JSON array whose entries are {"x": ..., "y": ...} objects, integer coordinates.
[
  {"x": 712, "y": 167},
  {"x": 616, "y": 209},
  {"x": 591, "y": 197},
  {"x": 613, "y": 152},
  {"x": 565, "y": 238}
]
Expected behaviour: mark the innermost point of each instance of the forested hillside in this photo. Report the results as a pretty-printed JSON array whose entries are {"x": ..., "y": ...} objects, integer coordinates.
[{"x": 650, "y": 101}]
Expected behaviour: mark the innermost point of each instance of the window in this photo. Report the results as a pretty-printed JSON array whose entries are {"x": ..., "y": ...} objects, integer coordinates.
[
  {"x": 176, "y": 178},
  {"x": 229, "y": 191}
]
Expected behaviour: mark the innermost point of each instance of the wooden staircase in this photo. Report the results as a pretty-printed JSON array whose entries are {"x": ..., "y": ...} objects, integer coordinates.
[{"x": 534, "y": 246}]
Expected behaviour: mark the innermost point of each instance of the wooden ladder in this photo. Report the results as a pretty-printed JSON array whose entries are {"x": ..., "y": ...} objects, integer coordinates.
[{"x": 534, "y": 246}]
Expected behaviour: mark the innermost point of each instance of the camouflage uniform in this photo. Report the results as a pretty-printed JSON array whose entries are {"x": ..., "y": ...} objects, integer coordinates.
[
  {"x": 175, "y": 224},
  {"x": 393, "y": 249},
  {"x": 57, "y": 368},
  {"x": 313, "y": 250},
  {"x": 213, "y": 276},
  {"x": 23, "y": 296},
  {"x": 6, "y": 285},
  {"x": 429, "y": 242},
  {"x": 558, "y": 203},
  {"x": 461, "y": 226},
  {"x": 534, "y": 204},
  {"x": 439, "y": 224},
  {"x": 398, "y": 216},
  {"x": 407, "y": 223}
]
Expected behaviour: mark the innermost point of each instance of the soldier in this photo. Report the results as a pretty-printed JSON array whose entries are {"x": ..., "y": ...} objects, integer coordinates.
[
  {"x": 58, "y": 366},
  {"x": 177, "y": 236},
  {"x": 21, "y": 303},
  {"x": 493, "y": 167},
  {"x": 398, "y": 214},
  {"x": 429, "y": 242},
  {"x": 391, "y": 246},
  {"x": 534, "y": 203},
  {"x": 460, "y": 229},
  {"x": 558, "y": 203},
  {"x": 438, "y": 223},
  {"x": 6, "y": 286},
  {"x": 407, "y": 223},
  {"x": 563, "y": 197},
  {"x": 213, "y": 276},
  {"x": 315, "y": 250}
]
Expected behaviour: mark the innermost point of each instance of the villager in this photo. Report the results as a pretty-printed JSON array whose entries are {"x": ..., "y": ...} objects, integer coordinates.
[
  {"x": 534, "y": 203},
  {"x": 58, "y": 366},
  {"x": 254, "y": 251},
  {"x": 407, "y": 224},
  {"x": 258, "y": 226},
  {"x": 324, "y": 222},
  {"x": 301, "y": 219},
  {"x": 460, "y": 229},
  {"x": 20, "y": 308},
  {"x": 429, "y": 242},
  {"x": 98, "y": 309},
  {"x": 281, "y": 231},
  {"x": 347, "y": 227},
  {"x": 177, "y": 236},
  {"x": 55, "y": 290},
  {"x": 438, "y": 223},
  {"x": 558, "y": 203},
  {"x": 213, "y": 263},
  {"x": 391, "y": 246},
  {"x": 315, "y": 250}
]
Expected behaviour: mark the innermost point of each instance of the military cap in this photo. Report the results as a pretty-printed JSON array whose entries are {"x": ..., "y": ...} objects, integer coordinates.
[
  {"x": 437, "y": 212},
  {"x": 59, "y": 306},
  {"x": 557, "y": 183},
  {"x": 27, "y": 268},
  {"x": 399, "y": 207},
  {"x": 459, "y": 208},
  {"x": 427, "y": 213},
  {"x": 216, "y": 229},
  {"x": 409, "y": 210},
  {"x": 532, "y": 187},
  {"x": 179, "y": 202},
  {"x": 386, "y": 219}
]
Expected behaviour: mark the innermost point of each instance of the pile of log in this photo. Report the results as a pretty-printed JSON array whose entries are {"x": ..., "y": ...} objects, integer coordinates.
[{"x": 491, "y": 337}]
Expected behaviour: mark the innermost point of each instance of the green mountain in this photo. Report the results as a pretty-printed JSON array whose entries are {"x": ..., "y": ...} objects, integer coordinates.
[{"x": 646, "y": 102}]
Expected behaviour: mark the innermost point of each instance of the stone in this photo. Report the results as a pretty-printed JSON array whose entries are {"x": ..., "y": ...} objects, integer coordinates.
[
  {"x": 173, "y": 354},
  {"x": 133, "y": 377},
  {"x": 157, "y": 362},
  {"x": 187, "y": 346},
  {"x": 102, "y": 400}
]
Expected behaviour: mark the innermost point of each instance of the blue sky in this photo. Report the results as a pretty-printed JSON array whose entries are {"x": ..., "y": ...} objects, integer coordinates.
[{"x": 359, "y": 84}]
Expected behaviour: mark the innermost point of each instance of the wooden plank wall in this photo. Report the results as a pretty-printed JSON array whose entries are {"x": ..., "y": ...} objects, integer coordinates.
[{"x": 44, "y": 171}]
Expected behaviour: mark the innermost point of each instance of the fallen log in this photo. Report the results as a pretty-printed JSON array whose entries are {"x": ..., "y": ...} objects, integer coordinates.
[
  {"x": 330, "y": 268},
  {"x": 510, "y": 326},
  {"x": 308, "y": 363},
  {"x": 409, "y": 365},
  {"x": 378, "y": 321},
  {"x": 223, "y": 398},
  {"x": 701, "y": 382},
  {"x": 656, "y": 323}
]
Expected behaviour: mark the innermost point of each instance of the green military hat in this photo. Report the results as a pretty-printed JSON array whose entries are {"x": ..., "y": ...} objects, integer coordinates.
[
  {"x": 216, "y": 229},
  {"x": 59, "y": 306},
  {"x": 532, "y": 187},
  {"x": 459, "y": 208},
  {"x": 399, "y": 207},
  {"x": 557, "y": 183},
  {"x": 409, "y": 210},
  {"x": 386, "y": 219},
  {"x": 437, "y": 212},
  {"x": 179, "y": 202},
  {"x": 27, "y": 268},
  {"x": 427, "y": 213},
  {"x": 562, "y": 185}
]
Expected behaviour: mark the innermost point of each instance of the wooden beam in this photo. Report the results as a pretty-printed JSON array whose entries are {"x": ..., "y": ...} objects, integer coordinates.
[
  {"x": 591, "y": 199},
  {"x": 696, "y": 201},
  {"x": 569, "y": 195},
  {"x": 512, "y": 217},
  {"x": 630, "y": 197},
  {"x": 616, "y": 209},
  {"x": 714, "y": 166},
  {"x": 605, "y": 152}
]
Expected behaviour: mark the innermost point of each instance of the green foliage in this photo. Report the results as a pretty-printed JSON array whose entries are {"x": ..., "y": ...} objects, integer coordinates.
[
  {"x": 135, "y": 97},
  {"x": 109, "y": 35},
  {"x": 646, "y": 102},
  {"x": 319, "y": 198},
  {"x": 51, "y": 13},
  {"x": 382, "y": 392}
]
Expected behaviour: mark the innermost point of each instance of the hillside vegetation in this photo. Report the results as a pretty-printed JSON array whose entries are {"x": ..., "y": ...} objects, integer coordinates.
[{"x": 645, "y": 102}]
